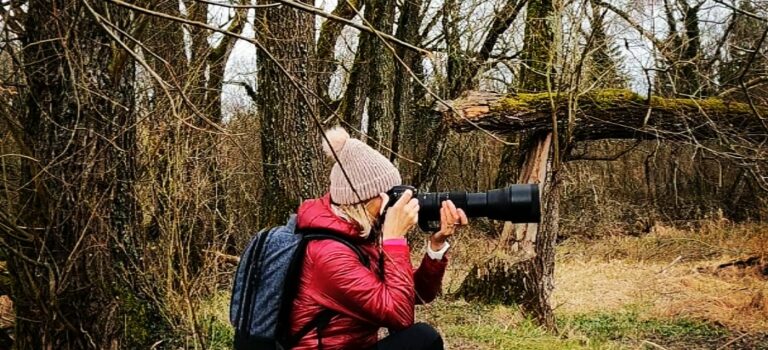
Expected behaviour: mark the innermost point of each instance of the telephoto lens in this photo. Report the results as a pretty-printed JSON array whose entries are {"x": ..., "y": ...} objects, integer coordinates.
[{"x": 516, "y": 203}]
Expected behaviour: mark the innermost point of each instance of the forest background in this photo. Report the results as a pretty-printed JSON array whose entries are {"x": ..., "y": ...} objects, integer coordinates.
[{"x": 144, "y": 143}]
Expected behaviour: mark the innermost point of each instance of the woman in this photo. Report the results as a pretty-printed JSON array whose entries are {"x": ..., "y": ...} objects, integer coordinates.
[{"x": 365, "y": 299}]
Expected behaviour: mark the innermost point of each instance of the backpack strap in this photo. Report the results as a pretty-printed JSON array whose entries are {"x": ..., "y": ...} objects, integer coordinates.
[
  {"x": 323, "y": 318},
  {"x": 320, "y": 321}
]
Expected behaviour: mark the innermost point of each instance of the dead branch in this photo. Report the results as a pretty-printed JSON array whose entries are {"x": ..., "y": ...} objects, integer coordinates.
[{"x": 607, "y": 114}]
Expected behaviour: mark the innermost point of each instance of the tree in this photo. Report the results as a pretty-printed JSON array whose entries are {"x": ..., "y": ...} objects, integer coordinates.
[
  {"x": 74, "y": 245},
  {"x": 745, "y": 68},
  {"x": 680, "y": 64},
  {"x": 604, "y": 114},
  {"x": 526, "y": 277},
  {"x": 289, "y": 138}
]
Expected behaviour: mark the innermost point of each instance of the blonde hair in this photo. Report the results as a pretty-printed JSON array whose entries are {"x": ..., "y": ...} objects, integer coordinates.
[{"x": 359, "y": 214}]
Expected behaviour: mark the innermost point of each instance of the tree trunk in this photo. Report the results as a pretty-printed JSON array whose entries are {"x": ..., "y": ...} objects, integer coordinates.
[
  {"x": 290, "y": 142},
  {"x": 72, "y": 275},
  {"x": 404, "y": 102},
  {"x": 529, "y": 283},
  {"x": 330, "y": 31},
  {"x": 610, "y": 114},
  {"x": 436, "y": 132},
  {"x": 381, "y": 105},
  {"x": 370, "y": 92},
  {"x": 524, "y": 272},
  {"x": 537, "y": 43}
]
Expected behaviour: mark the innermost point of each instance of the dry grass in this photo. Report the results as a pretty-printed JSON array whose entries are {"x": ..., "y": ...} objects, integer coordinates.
[{"x": 669, "y": 273}]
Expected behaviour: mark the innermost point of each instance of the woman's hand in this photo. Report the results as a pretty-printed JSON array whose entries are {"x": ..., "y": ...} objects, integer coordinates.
[
  {"x": 401, "y": 216},
  {"x": 450, "y": 218}
]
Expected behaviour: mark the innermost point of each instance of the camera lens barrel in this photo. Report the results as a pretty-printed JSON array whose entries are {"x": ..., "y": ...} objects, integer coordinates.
[{"x": 516, "y": 203}]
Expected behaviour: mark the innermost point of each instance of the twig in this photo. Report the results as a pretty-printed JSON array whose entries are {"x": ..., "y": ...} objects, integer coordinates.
[
  {"x": 648, "y": 342},
  {"x": 226, "y": 257},
  {"x": 732, "y": 341},
  {"x": 231, "y": 6},
  {"x": 678, "y": 259}
]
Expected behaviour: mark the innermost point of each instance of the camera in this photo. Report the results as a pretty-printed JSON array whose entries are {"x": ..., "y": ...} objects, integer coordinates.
[{"x": 516, "y": 203}]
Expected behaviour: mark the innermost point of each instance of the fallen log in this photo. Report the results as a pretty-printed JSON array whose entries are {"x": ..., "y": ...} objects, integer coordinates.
[{"x": 607, "y": 114}]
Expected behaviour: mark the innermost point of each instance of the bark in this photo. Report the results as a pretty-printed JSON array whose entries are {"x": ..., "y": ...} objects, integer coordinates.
[
  {"x": 610, "y": 114},
  {"x": 289, "y": 140},
  {"x": 381, "y": 105},
  {"x": 166, "y": 42},
  {"x": 404, "y": 95},
  {"x": 217, "y": 58},
  {"x": 459, "y": 66},
  {"x": 537, "y": 44},
  {"x": 353, "y": 103},
  {"x": 72, "y": 277},
  {"x": 371, "y": 85}
]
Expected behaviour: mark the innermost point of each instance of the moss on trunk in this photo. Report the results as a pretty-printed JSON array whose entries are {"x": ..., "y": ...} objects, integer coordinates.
[{"x": 608, "y": 114}]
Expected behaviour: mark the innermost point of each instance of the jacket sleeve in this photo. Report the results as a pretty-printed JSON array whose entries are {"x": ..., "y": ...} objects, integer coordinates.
[
  {"x": 428, "y": 278},
  {"x": 348, "y": 287}
]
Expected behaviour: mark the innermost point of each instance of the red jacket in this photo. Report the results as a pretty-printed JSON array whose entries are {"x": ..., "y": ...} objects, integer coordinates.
[{"x": 334, "y": 278}]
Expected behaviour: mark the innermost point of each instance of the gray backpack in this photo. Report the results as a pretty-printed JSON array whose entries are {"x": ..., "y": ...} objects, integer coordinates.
[{"x": 266, "y": 283}]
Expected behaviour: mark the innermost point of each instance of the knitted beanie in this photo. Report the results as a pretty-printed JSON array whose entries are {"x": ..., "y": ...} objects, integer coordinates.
[{"x": 369, "y": 172}]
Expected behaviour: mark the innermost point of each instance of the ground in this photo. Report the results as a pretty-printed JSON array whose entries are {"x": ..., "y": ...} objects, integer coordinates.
[{"x": 662, "y": 290}]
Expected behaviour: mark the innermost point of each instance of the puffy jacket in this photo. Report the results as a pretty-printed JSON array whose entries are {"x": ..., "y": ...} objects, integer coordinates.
[{"x": 334, "y": 278}]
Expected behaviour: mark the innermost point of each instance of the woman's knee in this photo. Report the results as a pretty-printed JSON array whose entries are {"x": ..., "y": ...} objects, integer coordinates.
[{"x": 431, "y": 336}]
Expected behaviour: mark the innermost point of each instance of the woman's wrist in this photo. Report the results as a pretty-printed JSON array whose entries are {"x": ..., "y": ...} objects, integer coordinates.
[
  {"x": 437, "y": 254},
  {"x": 436, "y": 244}
]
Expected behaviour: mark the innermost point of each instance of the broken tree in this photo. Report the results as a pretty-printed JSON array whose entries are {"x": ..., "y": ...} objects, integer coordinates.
[{"x": 523, "y": 273}]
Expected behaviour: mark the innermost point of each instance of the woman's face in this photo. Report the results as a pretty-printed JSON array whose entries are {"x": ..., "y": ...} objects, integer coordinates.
[{"x": 373, "y": 207}]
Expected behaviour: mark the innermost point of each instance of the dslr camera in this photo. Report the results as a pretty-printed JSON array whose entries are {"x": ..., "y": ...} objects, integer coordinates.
[{"x": 516, "y": 203}]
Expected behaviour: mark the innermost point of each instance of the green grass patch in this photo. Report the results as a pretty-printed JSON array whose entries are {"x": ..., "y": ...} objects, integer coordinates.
[
  {"x": 477, "y": 326},
  {"x": 214, "y": 318},
  {"x": 627, "y": 327},
  {"x": 525, "y": 335}
]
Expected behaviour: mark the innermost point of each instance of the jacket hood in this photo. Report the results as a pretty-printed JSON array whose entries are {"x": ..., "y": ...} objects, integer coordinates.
[{"x": 318, "y": 214}]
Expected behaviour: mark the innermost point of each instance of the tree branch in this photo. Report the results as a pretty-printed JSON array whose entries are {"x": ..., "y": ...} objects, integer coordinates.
[
  {"x": 501, "y": 23},
  {"x": 608, "y": 114},
  {"x": 656, "y": 42}
]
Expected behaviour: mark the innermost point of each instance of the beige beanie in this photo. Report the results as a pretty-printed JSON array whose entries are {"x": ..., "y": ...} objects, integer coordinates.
[{"x": 369, "y": 172}]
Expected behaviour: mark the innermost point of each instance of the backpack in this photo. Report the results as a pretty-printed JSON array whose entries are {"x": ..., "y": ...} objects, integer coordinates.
[{"x": 265, "y": 285}]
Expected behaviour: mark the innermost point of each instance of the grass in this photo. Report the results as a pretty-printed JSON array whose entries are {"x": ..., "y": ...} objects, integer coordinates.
[
  {"x": 657, "y": 291},
  {"x": 472, "y": 326},
  {"x": 214, "y": 316},
  {"x": 670, "y": 274}
]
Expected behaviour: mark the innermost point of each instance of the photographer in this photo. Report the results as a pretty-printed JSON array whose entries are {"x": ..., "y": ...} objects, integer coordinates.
[{"x": 365, "y": 299}]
